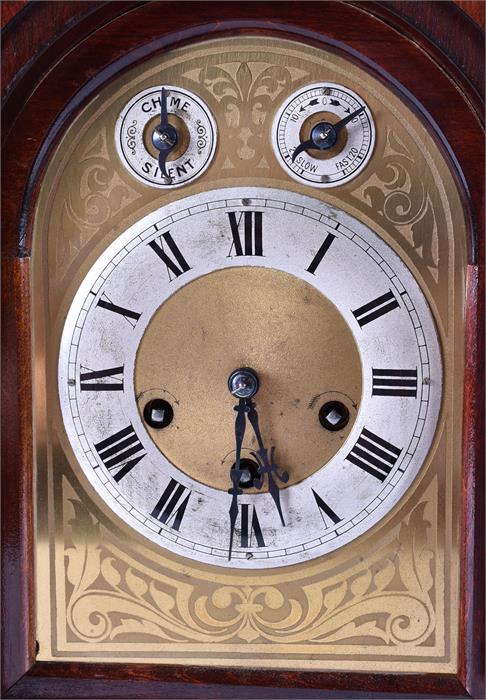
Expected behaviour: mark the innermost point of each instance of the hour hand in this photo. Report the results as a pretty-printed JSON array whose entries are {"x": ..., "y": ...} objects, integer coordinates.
[
  {"x": 304, "y": 146},
  {"x": 267, "y": 464},
  {"x": 270, "y": 468},
  {"x": 234, "y": 491}
]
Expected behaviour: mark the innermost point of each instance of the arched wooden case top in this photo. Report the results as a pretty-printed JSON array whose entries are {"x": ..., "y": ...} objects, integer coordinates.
[{"x": 397, "y": 609}]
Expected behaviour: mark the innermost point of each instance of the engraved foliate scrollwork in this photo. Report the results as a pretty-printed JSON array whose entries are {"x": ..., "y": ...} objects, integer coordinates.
[
  {"x": 386, "y": 603},
  {"x": 395, "y": 192},
  {"x": 248, "y": 93},
  {"x": 100, "y": 195}
]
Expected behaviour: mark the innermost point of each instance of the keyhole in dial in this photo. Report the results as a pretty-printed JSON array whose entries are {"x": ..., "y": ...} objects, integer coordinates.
[
  {"x": 158, "y": 413},
  {"x": 333, "y": 415}
]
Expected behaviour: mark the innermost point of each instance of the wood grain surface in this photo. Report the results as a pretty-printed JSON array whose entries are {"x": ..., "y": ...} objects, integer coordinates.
[
  {"x": 55, "y": 57},
  {"x": 473, "y": 8}
]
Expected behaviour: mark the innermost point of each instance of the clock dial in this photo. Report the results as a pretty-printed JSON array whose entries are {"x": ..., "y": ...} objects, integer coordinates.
[
  {"x": 323, "y": 135},
  {"x": 330, "y": 320},
  {"x": 171, "y": 122}
]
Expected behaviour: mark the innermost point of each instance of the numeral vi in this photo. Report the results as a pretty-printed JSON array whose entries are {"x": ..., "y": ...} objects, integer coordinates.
[{"x": 250, "y": 527}]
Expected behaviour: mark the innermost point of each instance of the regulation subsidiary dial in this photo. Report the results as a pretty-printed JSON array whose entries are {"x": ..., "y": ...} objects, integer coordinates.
[
  {"x": 316, "y": 138},
  {"x": 166, "y": 120}
]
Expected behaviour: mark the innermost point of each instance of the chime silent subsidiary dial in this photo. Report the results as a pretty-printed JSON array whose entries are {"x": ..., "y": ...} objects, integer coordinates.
[{"x": 166, "y": 136}]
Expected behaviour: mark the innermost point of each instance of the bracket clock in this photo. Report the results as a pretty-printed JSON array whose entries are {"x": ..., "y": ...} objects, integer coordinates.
[{"x": 242, "y": 350}]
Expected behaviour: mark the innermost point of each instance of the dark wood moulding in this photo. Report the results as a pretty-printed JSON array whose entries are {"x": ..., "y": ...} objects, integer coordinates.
[{"x": 56, "y": 55}]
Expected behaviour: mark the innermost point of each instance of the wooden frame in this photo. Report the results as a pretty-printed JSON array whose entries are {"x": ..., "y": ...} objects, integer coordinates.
[{"x": 95, "y": 41}]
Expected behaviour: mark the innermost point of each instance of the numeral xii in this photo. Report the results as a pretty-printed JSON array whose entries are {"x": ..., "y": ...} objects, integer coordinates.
[{"x": 247, "y": 233}]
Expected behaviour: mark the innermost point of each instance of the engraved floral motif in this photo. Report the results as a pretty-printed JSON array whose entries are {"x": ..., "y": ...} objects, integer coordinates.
[
  {"x": 246, "y": 96},
  {"x": 374, "y": 603},
  {"x": 386, "y": 603},
  {"x": 100, "y": 195},
  {"x": 396, "y": 193}
]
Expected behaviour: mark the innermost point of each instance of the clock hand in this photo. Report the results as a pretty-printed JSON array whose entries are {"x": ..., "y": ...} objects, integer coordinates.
[
  {"x": 337, "y": 127},
  {"x": 304, "y": 146},
  {"x": 267, "y": 465},
  {"x": 324, "y": 135},
  {"x": 164, "y": 136},
  {"x": 235, "y": 471}
]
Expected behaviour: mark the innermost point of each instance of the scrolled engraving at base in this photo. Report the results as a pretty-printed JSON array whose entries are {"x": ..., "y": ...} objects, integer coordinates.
[{"x": 386, "y": 603}]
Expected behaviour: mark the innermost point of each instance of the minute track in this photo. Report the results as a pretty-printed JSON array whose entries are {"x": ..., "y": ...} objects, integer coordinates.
[{"x": 282, "y": 212}]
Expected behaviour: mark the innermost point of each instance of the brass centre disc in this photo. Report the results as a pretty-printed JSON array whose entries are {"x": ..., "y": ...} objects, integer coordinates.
[
  {"x": 293, "y": 337},
  {"x": 310, "y": 123}
]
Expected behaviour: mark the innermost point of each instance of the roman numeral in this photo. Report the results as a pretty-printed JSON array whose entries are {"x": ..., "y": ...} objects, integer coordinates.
[
  {"x": 121, "y": 451},
  {"x": 394, "y": 382},
  {"x": 180, "y": 265},
  {"x": 86, "y": 383},
  {"x": 248, "y": 530},
  {"x": 376, "y": 308},
  {"x": 130, "y": 316},
  {"x": 252, "y": 233},
  {"x": 326, "y": 511},
  {"x": 321, "y": 253},
  {"x": 374, "y": 455},
  {"x": 171, "y": 506}
]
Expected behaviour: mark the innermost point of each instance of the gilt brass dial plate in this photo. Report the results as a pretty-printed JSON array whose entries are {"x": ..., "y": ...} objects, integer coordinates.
[{"x": 386, "y": 602}]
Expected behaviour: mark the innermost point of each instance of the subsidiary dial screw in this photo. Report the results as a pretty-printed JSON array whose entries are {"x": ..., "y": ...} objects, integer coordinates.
[
  {"x": 243, "y": 383},
  {"x": 158, "y": 413}
]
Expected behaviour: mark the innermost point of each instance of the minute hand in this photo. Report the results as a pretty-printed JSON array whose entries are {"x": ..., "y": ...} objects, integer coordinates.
[
  {"x": 267, "y": 466},
  {"x": 165, "y": 135},
  {"x": 236, "y": 472},
  {"x": 339, "y": 125}
]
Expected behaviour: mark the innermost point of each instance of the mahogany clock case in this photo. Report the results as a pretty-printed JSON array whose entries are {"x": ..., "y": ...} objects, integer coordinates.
[{"x": 56, "y": 57}]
